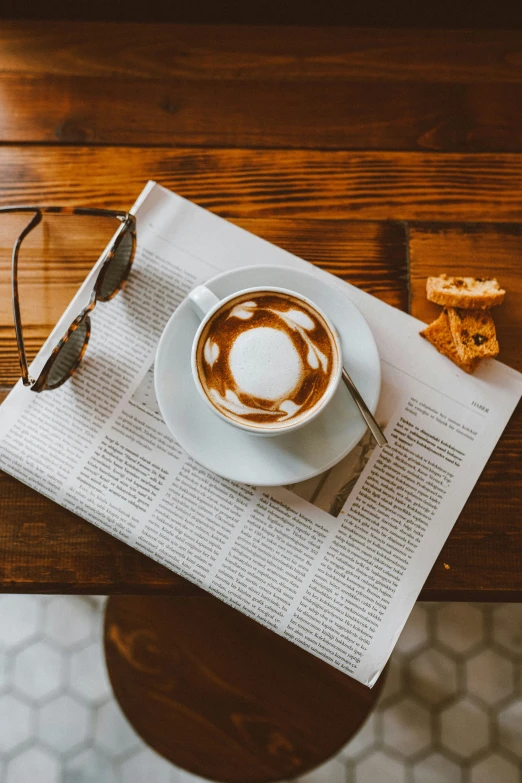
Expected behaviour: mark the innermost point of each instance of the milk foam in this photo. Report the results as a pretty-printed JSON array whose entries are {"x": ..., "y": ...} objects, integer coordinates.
[
  {"x": 266, "y": 360},
  {"x": 265, "y": 363}
]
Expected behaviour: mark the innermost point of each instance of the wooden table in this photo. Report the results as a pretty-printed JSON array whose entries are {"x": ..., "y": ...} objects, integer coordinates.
[{"x": 382, "y": 156}]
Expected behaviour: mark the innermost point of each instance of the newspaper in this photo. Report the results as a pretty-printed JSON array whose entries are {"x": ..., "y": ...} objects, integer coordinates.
[{"x": 333, "y": 564}]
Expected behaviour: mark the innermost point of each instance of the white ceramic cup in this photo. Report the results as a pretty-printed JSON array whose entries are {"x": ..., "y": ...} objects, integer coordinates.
[{"x": 205, "y": 304}]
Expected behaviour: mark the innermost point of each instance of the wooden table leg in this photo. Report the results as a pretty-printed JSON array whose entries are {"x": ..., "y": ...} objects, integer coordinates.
[{"x": 221, "y": 696}]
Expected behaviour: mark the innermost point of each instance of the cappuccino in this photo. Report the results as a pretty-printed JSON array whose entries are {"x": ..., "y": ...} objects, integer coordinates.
[{"x": 266, "y": 359}]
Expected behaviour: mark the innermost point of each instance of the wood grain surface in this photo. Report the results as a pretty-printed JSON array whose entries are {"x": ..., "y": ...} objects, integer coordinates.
[
  {"x": 251, "y": 708},
  {"x": 487, "y": 535},
  {"x": 335, "y": 114},
  {"x": 157, "y": 51},
  {"x": 272, "y": 87},
  {"x": 379, "y": 154},
  {"x": 247, "y": 183}
]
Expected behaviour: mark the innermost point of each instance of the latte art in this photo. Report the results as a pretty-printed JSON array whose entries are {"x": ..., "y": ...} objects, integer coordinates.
[{"x": 266, "y": 358}]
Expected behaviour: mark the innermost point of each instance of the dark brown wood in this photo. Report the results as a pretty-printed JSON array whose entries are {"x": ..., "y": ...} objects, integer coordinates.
[
  {"x": 484, "y": 549},
  {"x": 327, "y": 87},
  {"x": 247, "y": 183},
  {"x": 267, "y": 53},
  {"x": 485, "y": 546},
  {"x": 445, "y": 13},
  {"x": 378, "y": 115},
  {"x": 250, "y": 707}
]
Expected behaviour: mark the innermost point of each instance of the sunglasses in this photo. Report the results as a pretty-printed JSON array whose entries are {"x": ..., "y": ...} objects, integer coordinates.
[{"x": 114, "y": 271}]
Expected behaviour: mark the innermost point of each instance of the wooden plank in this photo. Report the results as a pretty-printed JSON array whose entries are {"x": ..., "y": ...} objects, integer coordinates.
[
  {"x": 336, "y": 114},
  {"x": 244, "y": 183},
  {"x": 371, "y": 255},
  {"x": 45, "y": 548},
  {"x": 259, "y": 53},
  {"x": 485, "y": 546},
  {"x": 334, "y": 88}
]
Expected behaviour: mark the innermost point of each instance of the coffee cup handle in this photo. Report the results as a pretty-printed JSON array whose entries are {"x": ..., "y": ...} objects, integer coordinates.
[{"x": 202, "y": 300}]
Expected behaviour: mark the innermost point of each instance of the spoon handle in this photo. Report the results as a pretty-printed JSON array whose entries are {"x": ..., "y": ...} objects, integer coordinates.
[{"x": 365, "y": 411}]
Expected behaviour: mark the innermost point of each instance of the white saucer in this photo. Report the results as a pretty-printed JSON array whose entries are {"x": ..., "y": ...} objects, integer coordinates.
[{"x": 251, "y": 459}]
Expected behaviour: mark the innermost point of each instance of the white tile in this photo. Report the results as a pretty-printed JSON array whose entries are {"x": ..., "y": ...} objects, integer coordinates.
[
  {"x": 89, "y": 674},
  {"x": 459, "y": 626},
  {"x": 15, "y": 723},
  {"x": 20, "y": 617},
  {"x": 379, "y": 768},
  {"x": 34, "y": 764},
  {"x": 363, "y": 740},
  {"x": 436, "y": 768},
  {"x": 406, "y": 727},
  {"x": 464, "y": 728},
  {"x": 63, "y": 724},
  {"x": 145, "y": 766},
  {"x": 68, "y": 619},
  {"x": 507, "y": 627},
  {"x": 490, "y": 676},
  {"x": 415, "y": 633},
  {"x": 394, "y": 680},
  {"x": 4, "y": 675},
  {"x": 331, "y": 772},
  {"x": 38, "y": 670},
  {"x": 89, "y": 766},
  {"x": 433, "y": 676},
  {"x": 494, "y": 768},
  {"x": 113, "y": 733},
  {"x": 510, "y": 727}
]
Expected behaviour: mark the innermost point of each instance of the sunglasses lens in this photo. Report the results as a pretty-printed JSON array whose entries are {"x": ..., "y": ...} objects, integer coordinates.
[
  {"x": 118, "y": 268},
  {"x": 67, "y": 358}
]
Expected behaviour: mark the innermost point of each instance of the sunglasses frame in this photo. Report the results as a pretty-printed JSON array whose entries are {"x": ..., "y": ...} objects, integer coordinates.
[{"x": 128, "y": 224}]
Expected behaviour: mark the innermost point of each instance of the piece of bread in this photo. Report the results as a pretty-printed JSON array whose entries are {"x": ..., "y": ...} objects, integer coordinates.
[
  {"x": 473, "y": 333},
  {"x": 438, "y": 334},
  {"x": 464, "y": 292}
]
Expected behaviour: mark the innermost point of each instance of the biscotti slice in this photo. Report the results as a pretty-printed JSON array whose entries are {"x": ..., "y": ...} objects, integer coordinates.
[
  {"x": 438, "y": 334},
  {"x": 465, "y": 292},
  {"x": 473, "y": 332}
]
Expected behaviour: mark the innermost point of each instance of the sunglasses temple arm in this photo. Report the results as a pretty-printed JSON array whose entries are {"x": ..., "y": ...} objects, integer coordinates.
[{"x": 27, "y": 381}]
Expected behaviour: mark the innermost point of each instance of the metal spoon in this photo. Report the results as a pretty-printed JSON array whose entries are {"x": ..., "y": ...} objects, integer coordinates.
[{"x": 365, "y": 411}]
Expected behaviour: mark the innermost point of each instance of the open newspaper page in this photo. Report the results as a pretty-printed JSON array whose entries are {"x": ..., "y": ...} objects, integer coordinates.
[{"x": 334, "y": 563}]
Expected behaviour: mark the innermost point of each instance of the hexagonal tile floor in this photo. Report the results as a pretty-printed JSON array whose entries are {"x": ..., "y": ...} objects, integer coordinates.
[{"x": 450, "y": 712}]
